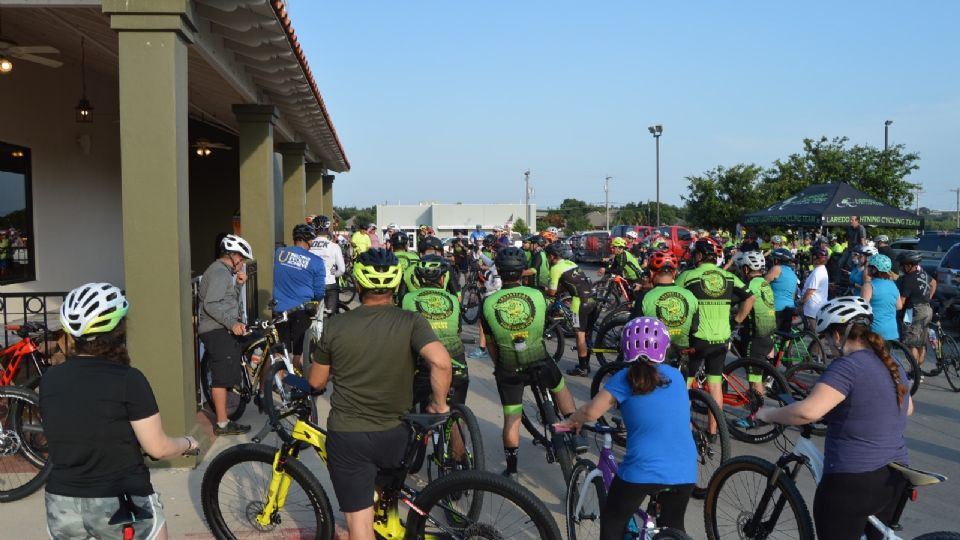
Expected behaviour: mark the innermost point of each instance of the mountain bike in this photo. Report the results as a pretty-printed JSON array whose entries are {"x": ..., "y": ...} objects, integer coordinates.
[
  {"x": 750, "y": 497},
  {"x": 907, "y": 362},
  {"x": 346, "y": 284},
  {"x": 611, "y": 291},
  {"x": 711, "y": 450},
  {"x": 457, "y": 445},
  {"x": 797, "y": 347},
  {"x": 24, "y": 466},
  {"x": 587, "y": 494},
  {"x": 540, "y": 413},
  {"x": 22, "y": 363},
  {"x": 253, "y": 489},
  {"x": 560, "y": 325},
  {"x": 942, "y": 347}
]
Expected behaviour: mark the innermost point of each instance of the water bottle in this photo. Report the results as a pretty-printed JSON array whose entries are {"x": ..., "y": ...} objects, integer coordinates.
[
  {"x": 933, "y": 339},
  {"x": 633, "y": 531}
]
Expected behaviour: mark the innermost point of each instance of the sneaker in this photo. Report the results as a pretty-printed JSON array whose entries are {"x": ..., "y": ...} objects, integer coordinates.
[
  {"x": 478, "y": 354},
  {"x": 933, "y": 372},
  {"x": 512, "y": 475},
  {"x": 743, "y": 423},
  {"x": 712, "y": 438},
  {"x": 579, "y": 371},
  {"x": 232, "y": 428}
]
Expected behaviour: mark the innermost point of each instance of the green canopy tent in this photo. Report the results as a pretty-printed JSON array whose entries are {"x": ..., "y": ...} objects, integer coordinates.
[{"x": 831, "y": 205}]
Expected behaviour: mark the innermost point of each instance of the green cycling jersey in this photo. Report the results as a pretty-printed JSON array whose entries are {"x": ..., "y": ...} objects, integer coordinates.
[
  {"x": 442, "y": 311},
  {"x": 676, "y": 307},
  {"x": 514, "y": 317},
  {"x": 716, "y": 290},
  {"x": 763, "y": 320}
]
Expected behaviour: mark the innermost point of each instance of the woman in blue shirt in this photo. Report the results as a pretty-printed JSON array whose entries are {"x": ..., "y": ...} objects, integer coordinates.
[
  {"x": 863, "y": 397},
  {"x": 656, "y": 410},
  {"x": 884, "y": 297},
  {"x": 784, "y": 282}
]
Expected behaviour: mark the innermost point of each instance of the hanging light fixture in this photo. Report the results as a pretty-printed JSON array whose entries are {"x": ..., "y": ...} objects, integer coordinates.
[
  {"x": 84, "y": 108},
  {"x": 6, "y": 65}
]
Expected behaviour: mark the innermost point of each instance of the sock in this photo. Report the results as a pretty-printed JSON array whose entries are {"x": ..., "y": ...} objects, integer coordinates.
[
  {"x": 584, "y": 361},
  {"x": 223, "y": 424},
  {"x": 511, "y": 454},
  {"x": 483, "y": 349}
]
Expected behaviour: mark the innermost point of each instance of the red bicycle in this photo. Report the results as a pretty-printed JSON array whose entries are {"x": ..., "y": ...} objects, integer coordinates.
[{"x": 22, "y": 363}]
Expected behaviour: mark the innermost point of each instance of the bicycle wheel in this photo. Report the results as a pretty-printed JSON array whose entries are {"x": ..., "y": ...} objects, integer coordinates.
[
  {"x": 532, "y": 419},
  {"x": 584, "y": 502},
  {"x": 710, "y": 454},
  {"x": 907, "y": 362},
  {"x": 608, "y": 337},
  {"x": 602, "y": 375},
  {"x": 470, "y": 303},
  {"x": 237, "y": 397},
  {"x": 234, "y": 490},
  {"x": 951, "y": 361},
  {"x": 464, "y": 445},
  {"x": 730, "y": 510},
  {"x": 553, "y": 339},
  {"x": 23, "y": 464},
  {"x": 671, "y": 534},
  {"x": 805, "y": 347},
  {"x": 348, "y": 290},
  {"x": 508, "y": 510},
  {"x": 740, "y": 400},
  {"x": 801, "y": 379},
  {"x": 941, "y": 535}
]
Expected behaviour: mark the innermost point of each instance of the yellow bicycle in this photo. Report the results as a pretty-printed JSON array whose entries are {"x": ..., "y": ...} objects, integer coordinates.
[{"x": 257, "y": 491}]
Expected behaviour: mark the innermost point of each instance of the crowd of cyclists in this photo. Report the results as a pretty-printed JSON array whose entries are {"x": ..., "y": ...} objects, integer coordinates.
[{"x": 402, "y": 347}]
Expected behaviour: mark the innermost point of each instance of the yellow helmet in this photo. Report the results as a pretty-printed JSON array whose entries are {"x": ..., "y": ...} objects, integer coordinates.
[
  {"x": 377, "y": 269},
  {"x": 619, "y": 242}
]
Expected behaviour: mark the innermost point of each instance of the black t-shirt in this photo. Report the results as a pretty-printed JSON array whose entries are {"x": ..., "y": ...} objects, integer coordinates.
[
  {"x": 855, "y": 235},
  {"x": 915, "y": 287},
  {"x": 87, "y": 404}
]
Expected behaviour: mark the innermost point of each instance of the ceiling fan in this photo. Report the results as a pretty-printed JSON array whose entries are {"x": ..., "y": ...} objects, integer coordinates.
[
  {"x": 205, "y": 147},
  {"x": 9, "y": 49}
]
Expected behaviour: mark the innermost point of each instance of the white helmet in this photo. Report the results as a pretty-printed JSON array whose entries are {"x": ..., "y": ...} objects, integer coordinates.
[
  {"x": 868, "y": 251},
  {"x": 392, "y": 226},
  {"x": 752, "y": 260},
  {"x": 633, "y": 235},
  {"x": 234, "y": 243},
  {"x": 554, "y": 230},
  {"x": 93, "y": 308},
  {"x": 843, "y": 310},
  {"x": 776, "y": 239},
  {"x": 883, "y": 238}
]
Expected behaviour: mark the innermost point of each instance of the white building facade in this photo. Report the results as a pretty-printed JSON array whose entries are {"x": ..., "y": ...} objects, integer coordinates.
[{"x": 445, "y": 218}]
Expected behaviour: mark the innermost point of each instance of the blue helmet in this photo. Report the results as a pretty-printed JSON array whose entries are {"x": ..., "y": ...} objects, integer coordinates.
[{"x": 881, "y": 262}]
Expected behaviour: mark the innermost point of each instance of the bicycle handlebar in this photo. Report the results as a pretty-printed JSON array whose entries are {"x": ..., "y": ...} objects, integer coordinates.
[{"x": 599, "y": 429}]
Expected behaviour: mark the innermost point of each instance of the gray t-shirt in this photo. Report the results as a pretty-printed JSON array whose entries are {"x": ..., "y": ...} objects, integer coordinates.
[
  {"x": 372, "y": 353},
  {"x": 865, "y": 431}
]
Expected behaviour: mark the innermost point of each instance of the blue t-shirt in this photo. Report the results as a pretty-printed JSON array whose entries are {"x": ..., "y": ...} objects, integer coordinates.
[
  {"x": 865, "y": 431},
  {"x": 298, "y": 277},
  {"x": 785, "y": 288},
  {"x": 660, "y": 448},
  {"x": 884, "y": 305},
  {"x": 856, "y": 277}
]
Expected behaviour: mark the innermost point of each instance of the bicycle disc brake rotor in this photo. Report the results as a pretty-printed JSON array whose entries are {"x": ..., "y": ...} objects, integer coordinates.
[
  {"x": 253, "y": 510},
  {"x": 482, "y": 531},
  {"x": 9, "y": 442}
]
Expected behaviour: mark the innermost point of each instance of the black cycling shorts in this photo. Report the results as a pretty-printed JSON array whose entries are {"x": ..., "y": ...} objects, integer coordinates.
[
  {"x": 785, "y": 318},
  {"x": 291, "y": 332},
  {"x": 714, "y": 354},
  {"x": 511, "y": 384},
  {"x": 423, "y": 390},
  {"x": 223, "y": 353},
  {"x": 331, "y": 297},
  {"x": 755, "y": 347},
  {"x": 355, "y": 458},
  {"x": 589, "y": 313}
]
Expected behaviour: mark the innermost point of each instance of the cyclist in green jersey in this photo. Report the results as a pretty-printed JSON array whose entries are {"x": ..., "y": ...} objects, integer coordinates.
[
  {"x": 668, "y": 302},
  {"x": 622, "y": 263},
  {"x": 756, "y": 335},
  {"x": 429, "y": 245},
  {"x": 399, "y": 243},
  {"x": 716, "y": 291},
  {"x": 539, "y": 267},
  {"x": 442, "y": 310},
  {"x": 513, "y": 320},
  {"x": 565, "y": 275}
]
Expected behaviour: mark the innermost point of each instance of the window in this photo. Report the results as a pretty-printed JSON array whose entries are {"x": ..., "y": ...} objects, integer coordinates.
[
  {"x": 952, "y": 258},
  {"x": 16, "y": 215}
]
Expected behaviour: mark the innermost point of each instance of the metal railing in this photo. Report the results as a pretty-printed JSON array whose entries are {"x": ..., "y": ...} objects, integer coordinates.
[{"x": 18, "y": 308}]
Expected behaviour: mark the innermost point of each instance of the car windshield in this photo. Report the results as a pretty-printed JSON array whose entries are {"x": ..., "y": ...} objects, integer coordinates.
[
  {"x": 937, "y": 242},
  {"x": 952, "y": 258}
]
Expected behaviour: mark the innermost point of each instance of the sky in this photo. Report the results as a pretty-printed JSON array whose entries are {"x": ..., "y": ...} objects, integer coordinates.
[{"x": 451, "y": 101}]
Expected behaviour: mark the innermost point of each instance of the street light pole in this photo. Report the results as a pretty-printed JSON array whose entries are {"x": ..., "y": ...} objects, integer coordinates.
[
  {"x": 656, "y": 131},
  {"x": 957, "y": 191},
  {"x": 886, "y": 134},
  {"x": 606, "y": 197},
  {"x": 526, "y": 196},
  {"x": 920, "y": 191}
]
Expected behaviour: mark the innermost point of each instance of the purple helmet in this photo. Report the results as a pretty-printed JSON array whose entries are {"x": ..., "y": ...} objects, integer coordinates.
[{"x": 646, "y": 337}]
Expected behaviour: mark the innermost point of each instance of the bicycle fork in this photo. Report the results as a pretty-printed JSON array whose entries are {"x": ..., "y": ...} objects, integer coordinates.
[
  {"x": 756, "y": 528},
  {"x": 279, "y": 487}
]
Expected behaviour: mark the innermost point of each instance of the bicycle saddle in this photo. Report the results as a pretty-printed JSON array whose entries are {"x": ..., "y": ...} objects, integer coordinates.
[
  {"x": 128, "y": 512},
  {"x": 785, "y": 334},
  {"x": 425, "y": 422},
  {"x": 916, "y": 477}
]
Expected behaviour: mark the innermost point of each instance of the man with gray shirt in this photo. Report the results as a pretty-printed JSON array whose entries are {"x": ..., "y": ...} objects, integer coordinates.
[{"x": 220, "y": 324}]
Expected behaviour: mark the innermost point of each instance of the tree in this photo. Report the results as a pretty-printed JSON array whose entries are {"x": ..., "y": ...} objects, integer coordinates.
[
  {"x": 552, "y": 219},
  {"x": 578, "y": 223},
  {"x": 719, "y": 197},
  {"x": 520, "y": 226}
]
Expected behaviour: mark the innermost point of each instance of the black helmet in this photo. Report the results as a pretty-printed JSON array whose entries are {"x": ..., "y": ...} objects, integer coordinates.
[
  {"x": 431, "y": 269},
  {"x": 399, "y": 238},
  {"x": 781, "y": 254},
  {"x": 554, "y": 250},
  {"x": 538, "y": 240},
  {"x": 708, "y": 247},
  {"x": 909, "y": 257},
  {"x": 511, "y": 260},
  {"x": 489, "y": 240},
  {"x": 429, "y": 242},
  {"x": 304, "y": 233},
  {"x": 321, "y": 222}
]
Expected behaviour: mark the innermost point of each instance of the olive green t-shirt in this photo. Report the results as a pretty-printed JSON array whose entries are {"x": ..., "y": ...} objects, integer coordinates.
[{"x": 372, "y": 353}]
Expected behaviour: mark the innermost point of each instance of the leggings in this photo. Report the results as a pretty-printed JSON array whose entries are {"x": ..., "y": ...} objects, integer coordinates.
[
  {"x": 624, "y": 498},
  {"x": 844, "y": 501}
]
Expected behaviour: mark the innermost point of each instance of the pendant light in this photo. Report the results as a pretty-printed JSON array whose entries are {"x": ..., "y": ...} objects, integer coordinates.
[{"x": 84, "y": 108}]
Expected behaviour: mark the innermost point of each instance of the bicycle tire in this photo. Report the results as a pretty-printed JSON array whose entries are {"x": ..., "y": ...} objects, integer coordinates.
[
  {"x": 470, "y": 303},
  {"x": 236, "y": 398},
  {"x": 553, "y": 339},
  {"x": 737, "y": 405},
  {"x": 814, "y": 351},
  {"x": 599, "y": 379},
  {"x": 531, "y": 419},
  {"x": 671, "y": 534},
  {"x": 348, "y": 289},
  {"x": 905, "y": 359},
  {"x": 801, "y": 379},
  {"x": 462, "y": 416},
  {"x": 22, "y": 476},
  {"x": 951, "y": 362},
  {"x": 438, "y": 500},
  {"x": 586, "y": 524},
  {"x": 317, "y": 524},
  {"x": 562, "y": 445},
  {"x": 939, "y": 535},
  {"x": 724, "y": 519},
  {"x": 708, "y": 458},
  {"x": 608, "y": 337}
]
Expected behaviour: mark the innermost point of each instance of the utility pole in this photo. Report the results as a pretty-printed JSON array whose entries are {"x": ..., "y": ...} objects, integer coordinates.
[
  {"x": 526, "y": 198},
  {"x": 957, "y": 191},
  {"x": 920, "y": 191},
  {"x": 606, "y": 196},
  {"x": 656, "y": 131},
  {"x": 886, "y": 134}
]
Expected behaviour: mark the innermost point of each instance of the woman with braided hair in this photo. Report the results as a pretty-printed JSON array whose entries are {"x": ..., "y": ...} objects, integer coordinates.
[{"x": 863, "y": 397}]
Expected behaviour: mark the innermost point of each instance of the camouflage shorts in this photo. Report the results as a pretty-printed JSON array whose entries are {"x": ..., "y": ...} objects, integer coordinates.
[{"x": 89, "y": 517}]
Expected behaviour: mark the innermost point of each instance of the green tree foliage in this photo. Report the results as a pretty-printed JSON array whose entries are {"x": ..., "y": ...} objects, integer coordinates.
[
  {"x": 362, "y": 216},
  {"x": 719, "y": 197},
  {"x": 521, "y": 226},
  {"x": 645, "y": 213},
  {"x": 552, "y": 219}
]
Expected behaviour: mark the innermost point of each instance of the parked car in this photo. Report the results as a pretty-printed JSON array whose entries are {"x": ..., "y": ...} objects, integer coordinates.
[
  {"x": 678, "y": 239},
  {"x": 592, "y": 246},
  {"x": 905, "y": 243},
  {"x": 948, "y": 273},
  {"x": 643, "y": 231},
  {"x": 932, "y": 246}
]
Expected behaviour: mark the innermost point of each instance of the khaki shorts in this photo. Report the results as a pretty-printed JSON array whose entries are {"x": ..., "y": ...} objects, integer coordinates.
[
  {"x": 89, "y": 517},
  {"x": 915, "y": 333}
]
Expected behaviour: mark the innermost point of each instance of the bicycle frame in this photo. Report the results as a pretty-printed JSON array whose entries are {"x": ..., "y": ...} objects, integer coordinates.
[{"x": 12, "y": 356}]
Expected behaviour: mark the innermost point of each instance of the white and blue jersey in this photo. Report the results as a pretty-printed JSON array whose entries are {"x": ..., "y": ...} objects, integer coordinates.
[{"x": 298, "y": 276}]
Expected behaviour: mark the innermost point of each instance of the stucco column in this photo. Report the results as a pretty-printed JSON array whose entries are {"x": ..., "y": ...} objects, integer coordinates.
[
  {"x": 328, "y": 194},
  {"x": 153, "y": 39},
  {"x": 294, "y": 187},
  {"x": 315, "y": 172},
  {"x": 257, "y": 224}
]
